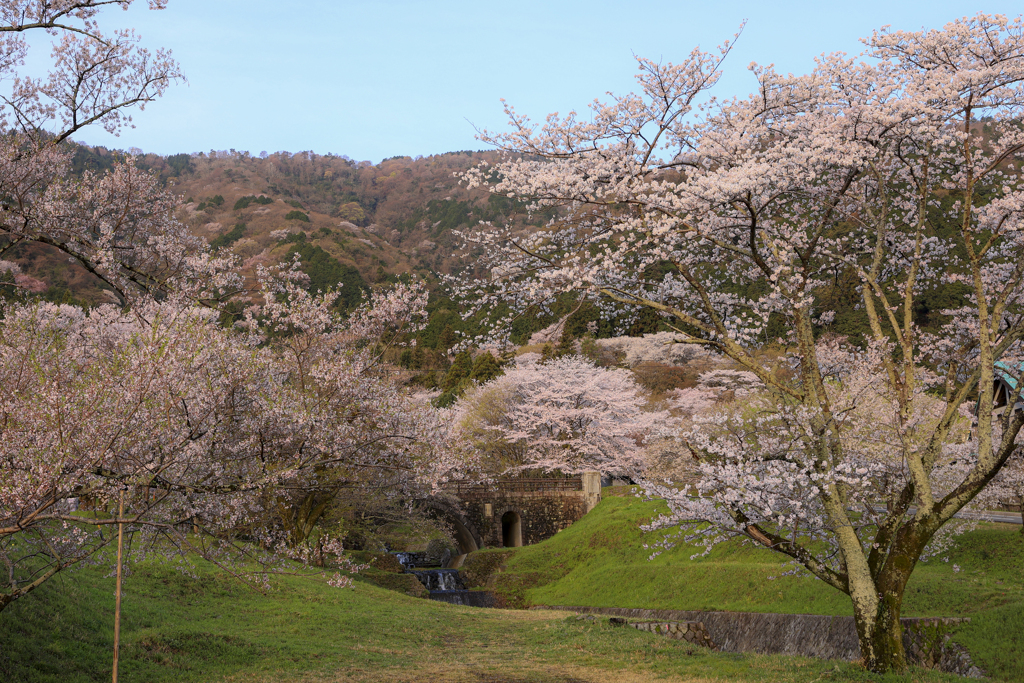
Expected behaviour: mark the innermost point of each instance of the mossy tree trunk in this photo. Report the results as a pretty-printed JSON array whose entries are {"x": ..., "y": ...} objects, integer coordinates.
[
  {"x": 878, "y": 628},
  {"x": 299, "y": 519}
]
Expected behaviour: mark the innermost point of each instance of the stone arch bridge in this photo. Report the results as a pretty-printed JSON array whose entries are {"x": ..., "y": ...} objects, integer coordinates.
[{"x": 508, "y": 513}]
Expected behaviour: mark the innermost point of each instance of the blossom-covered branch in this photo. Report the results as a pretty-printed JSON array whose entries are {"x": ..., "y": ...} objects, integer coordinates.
[{"x": 897, "y": 171}]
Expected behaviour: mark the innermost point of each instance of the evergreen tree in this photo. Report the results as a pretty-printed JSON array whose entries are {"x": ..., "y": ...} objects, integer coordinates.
[
  {"x": 566, "y": 344},
  {"x": 460, "y": 370},
  {"x": 485, "y": 368},
  {"x": 447, "y": 339}
]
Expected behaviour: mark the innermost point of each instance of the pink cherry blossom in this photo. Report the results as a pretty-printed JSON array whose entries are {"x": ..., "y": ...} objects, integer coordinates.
[
  {"x": 565, "y": 414},
  {"x": 899, "y": 167}
]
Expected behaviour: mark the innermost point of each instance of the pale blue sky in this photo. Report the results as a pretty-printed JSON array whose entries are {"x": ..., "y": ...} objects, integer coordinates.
[{"x": 373, "y": 79}]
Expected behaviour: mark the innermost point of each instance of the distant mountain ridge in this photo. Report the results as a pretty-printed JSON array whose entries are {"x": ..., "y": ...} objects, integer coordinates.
[{"x": 359, "y": 222}]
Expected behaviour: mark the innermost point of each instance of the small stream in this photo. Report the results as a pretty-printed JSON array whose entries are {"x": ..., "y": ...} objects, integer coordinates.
[
  {"x": 445, "y": 585},
  {"x": 410, "y": 560},
  {"x": 464, "y": 597},
  {"x": 439, "y": 579}
]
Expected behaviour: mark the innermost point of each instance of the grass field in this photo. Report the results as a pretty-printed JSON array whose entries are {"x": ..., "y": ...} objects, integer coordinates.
[
  {"x": 600, "y": 562},
  {"x": 177, "y": 628}
]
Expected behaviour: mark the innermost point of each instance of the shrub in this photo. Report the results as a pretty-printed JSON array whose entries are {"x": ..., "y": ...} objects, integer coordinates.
[
  {"x": 385, "y": 562},
  {"x": 245, "y": 201},
  {"x": 286, "y": 237},
  {"x": 485, "y": 368},
  {"x": 401, "y": 583},
  {"x": 296, "y": 215},
  {"x": 658, "y": 377},
  {"x": 230, "y": 237}
]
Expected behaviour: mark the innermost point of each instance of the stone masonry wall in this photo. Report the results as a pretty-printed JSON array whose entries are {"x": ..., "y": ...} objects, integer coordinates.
[
  {"x": 541, "y": 514},
  {"x": 690, "y": 631},
  {"x": 545, "y": 507},
  {"x": 927, "y": 641}
]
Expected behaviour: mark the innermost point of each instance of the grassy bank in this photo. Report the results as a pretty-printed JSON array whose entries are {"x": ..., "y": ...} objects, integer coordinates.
[
  {"x": 176, "y": 628},
  {"x": 211, "y": 628},
  {"x": 601, "y": 562}
]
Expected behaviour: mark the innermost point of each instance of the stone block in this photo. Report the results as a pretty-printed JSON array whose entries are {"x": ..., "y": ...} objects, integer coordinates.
[{"x": 926, "y": 640}]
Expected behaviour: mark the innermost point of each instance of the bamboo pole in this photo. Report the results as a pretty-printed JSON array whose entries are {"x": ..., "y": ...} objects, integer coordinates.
[{"x": 117, "y": 599}]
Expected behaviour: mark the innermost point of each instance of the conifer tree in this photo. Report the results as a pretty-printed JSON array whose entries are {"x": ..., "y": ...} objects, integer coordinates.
[{"x": 485, "y": 368}]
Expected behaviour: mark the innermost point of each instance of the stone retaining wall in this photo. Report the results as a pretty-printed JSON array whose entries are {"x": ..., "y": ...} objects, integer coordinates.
[
  {"x": 928, "y": 644},
  {"x": 690, "y": 631},
  {"x": 543, "y": 507},
  {"x": 927, "y": 641}
]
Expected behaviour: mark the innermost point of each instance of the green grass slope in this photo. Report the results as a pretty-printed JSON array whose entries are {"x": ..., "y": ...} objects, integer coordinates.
[
  {"x": 178, "y": 628},
  {"x": 601, "y": 561},
  {"x": 211, "y": 628}
]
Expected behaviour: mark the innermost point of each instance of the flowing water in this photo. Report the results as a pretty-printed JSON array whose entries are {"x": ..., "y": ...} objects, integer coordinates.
[
  {"x": 410, "y": 560},
  {"x": 439, "y": 579},
  {"x": 445, "y": 585}
]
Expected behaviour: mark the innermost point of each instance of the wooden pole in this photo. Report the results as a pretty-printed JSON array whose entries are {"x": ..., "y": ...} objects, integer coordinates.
[{"x": 117, "y": 599}]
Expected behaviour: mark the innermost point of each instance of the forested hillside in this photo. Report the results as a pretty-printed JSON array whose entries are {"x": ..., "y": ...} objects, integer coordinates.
[
  {"x": 352, "y": 224},
  {"x": 355, "y": 224}
]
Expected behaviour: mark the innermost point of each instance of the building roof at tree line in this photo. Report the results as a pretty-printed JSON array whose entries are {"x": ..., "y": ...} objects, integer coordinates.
[{"x": 1008, "y": 373}]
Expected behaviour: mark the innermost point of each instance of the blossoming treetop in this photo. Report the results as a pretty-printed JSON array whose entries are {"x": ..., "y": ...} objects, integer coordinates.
[{"x": 727, "y": 216}]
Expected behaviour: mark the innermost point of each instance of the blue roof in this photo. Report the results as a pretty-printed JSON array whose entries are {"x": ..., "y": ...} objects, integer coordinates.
[{"x": 1008, "y": 373}]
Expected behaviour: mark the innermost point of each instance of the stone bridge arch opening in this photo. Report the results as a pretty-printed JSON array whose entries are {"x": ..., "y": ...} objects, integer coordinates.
[
  {"x": 463, "y": 536},
  {"x": 511, "y": 530},
  {"x": 511, "y": 512},
  {"x": 467, "y": 538}
]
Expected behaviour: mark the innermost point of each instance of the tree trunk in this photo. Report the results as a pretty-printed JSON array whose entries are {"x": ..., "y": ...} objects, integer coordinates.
[
  {"x": 300, "y": 519},
  {"x": 879, "y": 629},
  {"x": 881, "y": 635}
]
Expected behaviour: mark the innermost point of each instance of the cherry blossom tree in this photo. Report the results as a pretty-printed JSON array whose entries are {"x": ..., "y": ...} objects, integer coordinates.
[
  {"x": 194, "y": 425},
  {"x": 564, "y": 414},
  {"x": 198, "y": 427},
  {"x": 899, "y": 167},
  {"x": 118, "y": 225},
  {"x": 1007, "y": 488}
]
